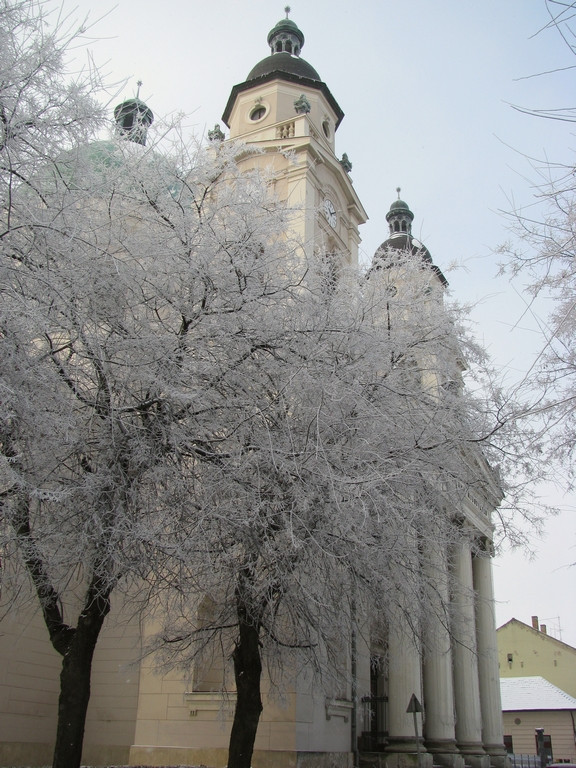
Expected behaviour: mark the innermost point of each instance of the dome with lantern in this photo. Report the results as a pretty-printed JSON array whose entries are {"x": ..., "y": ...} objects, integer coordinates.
[{"x": 400, "y": 219}]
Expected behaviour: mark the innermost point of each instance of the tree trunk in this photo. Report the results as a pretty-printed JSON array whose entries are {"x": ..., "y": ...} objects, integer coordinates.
[
  {"x": 248, "y": 673},
  {"x": 75, "y": 645},
  {"x": 75, "y": 685}
]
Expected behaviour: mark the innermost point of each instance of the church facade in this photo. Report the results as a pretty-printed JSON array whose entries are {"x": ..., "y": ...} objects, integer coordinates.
[{"x": 421, "y": 706}]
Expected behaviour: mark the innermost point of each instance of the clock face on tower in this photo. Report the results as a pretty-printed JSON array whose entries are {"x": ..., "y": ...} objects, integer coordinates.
[{"x": 330, "y": 212}]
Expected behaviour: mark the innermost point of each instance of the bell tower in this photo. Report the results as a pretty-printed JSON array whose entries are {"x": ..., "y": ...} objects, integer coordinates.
[
  {"x": 400, "y": 239},
  {"x": 286, "y": 110}
]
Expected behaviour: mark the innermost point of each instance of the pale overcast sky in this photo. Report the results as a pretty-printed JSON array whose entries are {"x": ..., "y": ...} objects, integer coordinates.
[{"x": 426, "y": 86}]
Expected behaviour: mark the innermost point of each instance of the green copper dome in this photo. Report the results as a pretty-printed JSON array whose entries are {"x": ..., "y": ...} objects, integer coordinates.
[
  {"x": 133, "y": 118},
  {"x": 399, "y": 208},
  {"x": 285, "y": 41},
  {"x": 285, "y": 37},
  {"x": 398, "y": 204},
  {"x": 401, "y": 240},
  {"x": 283, "y": 28},
  {"x": 283, "y": 63}
]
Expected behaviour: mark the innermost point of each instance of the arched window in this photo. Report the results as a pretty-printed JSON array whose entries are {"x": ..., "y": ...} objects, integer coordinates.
[{"x": 209, "y": 669}]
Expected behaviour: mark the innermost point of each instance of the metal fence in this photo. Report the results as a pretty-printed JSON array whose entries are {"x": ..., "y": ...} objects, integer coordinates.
[
  {"x": 524, "y": 761},
  {"x": 374, "y": 735}
]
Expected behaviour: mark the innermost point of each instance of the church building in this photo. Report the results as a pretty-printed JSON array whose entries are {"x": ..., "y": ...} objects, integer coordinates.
[{"x": 439, "y": 706}]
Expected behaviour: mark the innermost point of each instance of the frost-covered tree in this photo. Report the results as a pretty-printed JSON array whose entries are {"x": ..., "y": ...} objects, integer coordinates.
[
  {"x": 128, "y": 296},
  {"x": 194, "y": 411},
  {"x": 338, "y": 432},
  {"x": 541, "y": 257},
  {"x": 197, "y": 418},
  {"x": 46, "y": 102},
  {"x": 46, "y": 106}
]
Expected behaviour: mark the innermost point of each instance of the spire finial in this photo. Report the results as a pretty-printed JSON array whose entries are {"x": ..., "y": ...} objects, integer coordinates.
[
  {"x": 398, "y": 190},
  {"x": 139, "y": 84},
  {"x": 287, "y": 10}
]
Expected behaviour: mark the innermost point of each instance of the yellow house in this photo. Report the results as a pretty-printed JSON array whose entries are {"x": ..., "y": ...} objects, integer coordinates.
[{"x": 527, "y": 651}]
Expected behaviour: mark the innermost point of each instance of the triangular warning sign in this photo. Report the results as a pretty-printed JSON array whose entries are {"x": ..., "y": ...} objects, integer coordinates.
[{"x": 414, "y": 705}]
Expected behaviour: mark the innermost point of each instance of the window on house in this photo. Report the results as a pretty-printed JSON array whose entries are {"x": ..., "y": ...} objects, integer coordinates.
[{"x": 547, "y": 746}]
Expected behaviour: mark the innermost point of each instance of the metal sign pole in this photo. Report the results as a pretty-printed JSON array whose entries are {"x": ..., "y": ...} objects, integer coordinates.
[{"x": 414, "y": 706}]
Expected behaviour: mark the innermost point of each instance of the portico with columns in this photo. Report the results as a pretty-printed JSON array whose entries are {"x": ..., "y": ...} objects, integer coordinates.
[
  {"x": 455, "y": 676},
  {"x": 452, "y": 671}
]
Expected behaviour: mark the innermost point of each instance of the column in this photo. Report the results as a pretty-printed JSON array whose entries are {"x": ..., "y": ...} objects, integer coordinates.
[
  {"x": 404, "y": 679},
  {"x": 405, "y": 664},
  {"x": 439, "y": 724},
  {"x": 489, "y": 676},
  {"x": 466, "y": 683}
]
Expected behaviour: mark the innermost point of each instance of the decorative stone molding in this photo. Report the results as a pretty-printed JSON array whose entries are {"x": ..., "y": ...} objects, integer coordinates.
[
  {"x": 338, "y": 708},
  {"x": 210, "y": 701}
]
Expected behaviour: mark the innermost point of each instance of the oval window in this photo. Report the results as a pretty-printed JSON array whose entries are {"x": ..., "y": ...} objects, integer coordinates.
[{"x": 258, "y": 113}]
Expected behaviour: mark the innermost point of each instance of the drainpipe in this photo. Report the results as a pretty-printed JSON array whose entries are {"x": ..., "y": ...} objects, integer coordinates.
[{"x": 354, "y": 675}]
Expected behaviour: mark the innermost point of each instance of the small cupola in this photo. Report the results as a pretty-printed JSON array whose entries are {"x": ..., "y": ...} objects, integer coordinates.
[
  {"x": 400, "y": 217},
  {"x": 285, "y": 37},
  {"x": 133, "y": 118},
  {"x": 285, "y": 63},
  {"x": 401, "y": 240}
]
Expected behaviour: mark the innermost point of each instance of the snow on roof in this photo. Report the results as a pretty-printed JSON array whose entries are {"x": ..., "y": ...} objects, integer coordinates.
[{"x": 521, "y": 693}]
